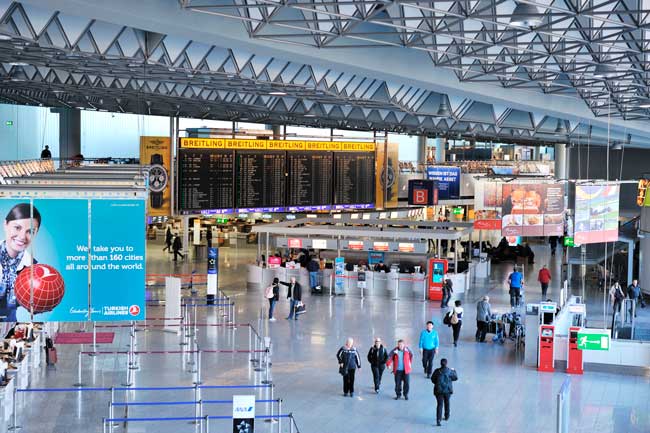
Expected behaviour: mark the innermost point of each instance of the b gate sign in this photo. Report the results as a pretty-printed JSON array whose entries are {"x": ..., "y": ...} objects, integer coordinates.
[
  {"x": 422, "y": 192},
  {"x": 596, "y": 339}
]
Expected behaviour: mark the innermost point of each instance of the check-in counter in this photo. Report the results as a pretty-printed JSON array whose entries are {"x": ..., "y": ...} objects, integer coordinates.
[{"x": 259, "y": 277}]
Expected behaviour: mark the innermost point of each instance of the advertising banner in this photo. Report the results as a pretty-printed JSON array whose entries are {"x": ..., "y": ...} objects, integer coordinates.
[
  {"x": 596, "y": 217},
  {"x": 49, "y": 261},
  {"x": 213, "y": 272},
  {"x": 422, "y": 192},
  {"x": 157, "y": 153},
  {"x": 448, "y": 181},
  {"x": 487, "y": 220},
  {"x": 532, "y": 209},
  {"x": 339, "y": 273},
  {"x": 386, "y": 184}
]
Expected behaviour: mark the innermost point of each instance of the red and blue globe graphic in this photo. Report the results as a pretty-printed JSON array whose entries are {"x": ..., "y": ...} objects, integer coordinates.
[{"x": 48, "y": 285}]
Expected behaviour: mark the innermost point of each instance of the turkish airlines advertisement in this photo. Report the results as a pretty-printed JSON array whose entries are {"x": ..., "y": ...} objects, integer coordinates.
[{"x": 62, "y": 257}]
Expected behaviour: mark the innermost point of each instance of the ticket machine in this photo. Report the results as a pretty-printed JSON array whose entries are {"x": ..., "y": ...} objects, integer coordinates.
[
  {"x": 574, "y": 363},
  {"x": 437, "y": 271},
  {"x": 546, "y": 357}
]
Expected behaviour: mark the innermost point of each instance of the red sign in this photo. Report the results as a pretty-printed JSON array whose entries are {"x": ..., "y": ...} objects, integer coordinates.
[
  {"x": 294, "y": 243},
  {"x": 274, "y": 262},
  {"x": 355, "y": 245},
  {"x": 134, "y": 310},
  {"x": 380, "y": 246},
  {"x": 406, "y": 247},
  {"x": 487, "y": 224},
  {"x": 420, "y": 197}
]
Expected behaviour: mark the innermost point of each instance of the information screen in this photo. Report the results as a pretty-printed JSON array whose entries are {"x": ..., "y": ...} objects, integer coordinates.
[
  {"x": 354, "y": 179},
  {"x": 206, "y": 179},
  {"x": 309, "y": 181},
  {"x": 260, "y": 179}
]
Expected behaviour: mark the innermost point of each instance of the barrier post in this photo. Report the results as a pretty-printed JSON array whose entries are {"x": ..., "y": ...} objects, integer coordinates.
[
  {"x": 424, "y": 290},
  {"x": 234, "y": 317},
  {"x": 250, "y": 343},
  {"x": 291, "y": 423},
  {"x": 267, "y": 379},
  {"x": 195, "y": 322},
  {"x": 330, "y": 285},
  {"x": 207, "y": 424},
  {"x": 79, "y": 383},
  {"x": 94, "y": 337},
  {"x": 15, "y": 407},
  {"x": 279, "y": 415},
  {"x": 110, "y": 405},
  {"x": 197, "y": 381},
  {"x": 397, "y": 289},
  {"x": 104, "y": 425}
]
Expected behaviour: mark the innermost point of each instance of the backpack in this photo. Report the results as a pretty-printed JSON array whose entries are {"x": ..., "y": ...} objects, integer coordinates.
[
  {"x": 444, "y": 383},
  {"x": 268, "y": 292},
  {"x": 454, "y": 318}
]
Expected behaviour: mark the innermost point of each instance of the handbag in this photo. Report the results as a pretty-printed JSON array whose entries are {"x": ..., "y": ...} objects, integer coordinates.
[
  {"x": 343, "y": 371},
  {"x": 447, "y": 319},
  {"x": 300, "y": 309}
]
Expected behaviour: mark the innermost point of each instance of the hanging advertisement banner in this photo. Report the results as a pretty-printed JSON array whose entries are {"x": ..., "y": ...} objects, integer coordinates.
[
  {"x": 157, "y": 153},
  {"x": 448, "y": 181},
  {"x": 53, "y": 269},
  {"x": 596, "y": 216},
  {"x": 386, "y": 184},
  {"x": 532, "y": 209}
]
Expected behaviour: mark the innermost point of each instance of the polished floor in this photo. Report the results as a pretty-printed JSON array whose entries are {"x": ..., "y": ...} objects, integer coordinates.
[{"x": 495, "y": 393}]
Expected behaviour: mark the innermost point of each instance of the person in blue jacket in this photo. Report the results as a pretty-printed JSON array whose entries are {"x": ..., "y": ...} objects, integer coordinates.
[
  {"x": 516, "y": 281},
  {"x": 428, "y": 345}
]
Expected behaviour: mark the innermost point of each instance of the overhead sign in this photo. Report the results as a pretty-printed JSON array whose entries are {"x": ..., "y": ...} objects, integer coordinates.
[
  {"x": 568, "y": 241},
  {"x": 406, "y": 247},
  {"x": 598, "y": 339},
  {"x": 380, "y": 246},
  {"x": 448, "y": 181},
  {"x": 319, "y": 244},
  {"x": 294, "y": 243},
  {"x": 298, "y": 145},
  {"x": 57, "y": 250},
  {"x": 422, "y": 192},
  {"x": 243, "y": 414},
  {"x": 596, "y": 216},
  {"x": 355, "y": 245}
]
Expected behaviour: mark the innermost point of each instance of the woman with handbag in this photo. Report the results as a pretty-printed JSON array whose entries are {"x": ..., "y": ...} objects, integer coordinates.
[
  {"x": 455, "y": 319},
  {"x": 272, "y": 293},
  {"x": 349, "y": 360}
]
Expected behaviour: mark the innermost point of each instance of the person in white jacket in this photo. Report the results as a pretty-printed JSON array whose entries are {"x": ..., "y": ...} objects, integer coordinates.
[{"x": 20, "y": 226}]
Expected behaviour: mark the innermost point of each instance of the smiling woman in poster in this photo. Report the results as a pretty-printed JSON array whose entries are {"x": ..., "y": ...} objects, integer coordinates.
[{"x": 20, "y": 226}]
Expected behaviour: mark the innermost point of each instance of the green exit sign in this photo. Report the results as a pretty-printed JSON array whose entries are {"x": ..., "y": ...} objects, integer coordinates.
[
  {"x": 222, "y": 220},
  {"x": 593, "y": 340},
  {"x": 9, "y": 123},
  {"x": 458, "y": 211},
  {"x": 568, "y": 241}
]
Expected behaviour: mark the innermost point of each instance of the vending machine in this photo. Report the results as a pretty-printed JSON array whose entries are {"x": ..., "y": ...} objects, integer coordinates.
[
  {"x": 574, "y": 363},
  {"x": 546, "y": 357},
  {"x": 437, "y": 271}
]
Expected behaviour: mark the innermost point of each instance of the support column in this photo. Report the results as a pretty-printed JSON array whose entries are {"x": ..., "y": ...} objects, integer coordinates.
[
  {"x": 560, "y": 161},
  {"x": 277, "y": 132},
  {"x": 441, "y": 149},
  {"x": 422, "y": 150},
  {"x": 69, "y": 132}
]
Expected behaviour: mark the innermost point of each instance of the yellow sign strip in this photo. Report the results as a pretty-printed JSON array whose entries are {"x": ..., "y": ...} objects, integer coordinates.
[{"x": 245, "y": 144}]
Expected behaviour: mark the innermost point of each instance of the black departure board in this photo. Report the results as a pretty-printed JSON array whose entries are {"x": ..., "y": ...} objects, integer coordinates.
[
  {"x": 354, "y": 178},
  {"x": 260, "y": 179},
  {"x": 205, "y": 179},
  {"x": 310, "y": 180}
]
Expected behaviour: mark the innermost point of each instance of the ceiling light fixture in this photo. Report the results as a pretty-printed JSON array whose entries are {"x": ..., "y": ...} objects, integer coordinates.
[
  {"x": 277, "y": 93},
  {"x": 644, "y": 106},
  {"x": 525, "y": 15},
  {"x": 444, "y": 110},
  {"x": 5, "y": 37},
  {"x": 19, "y": 64}
]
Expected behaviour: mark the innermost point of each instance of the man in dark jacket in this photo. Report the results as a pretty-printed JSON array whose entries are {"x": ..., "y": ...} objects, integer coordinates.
[
  {"x": 443, "y": 388},
  {"x": 177, "y": 246},
  {"x": 294, "y": 294},
  {"x": 377, "y": 357},
  {"x": 313, "y": 267},
  {"x": 349, "y": 361},
  {"x": 634, "y": 293}
]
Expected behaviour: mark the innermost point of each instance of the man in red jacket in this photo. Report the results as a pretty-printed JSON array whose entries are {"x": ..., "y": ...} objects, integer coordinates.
[
  {"x": 401, "y": 359},
  {"x": 544, "y": 277}
]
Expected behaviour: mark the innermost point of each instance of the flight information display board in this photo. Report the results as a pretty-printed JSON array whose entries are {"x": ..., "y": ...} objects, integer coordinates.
[
  {"x": 309, "y": 181},
  {"x": 219, "y": 175},
  {"x": 206, "y": 179},
  {"x": 354, "y": 180},
  {"x": 260, "y": 180}
]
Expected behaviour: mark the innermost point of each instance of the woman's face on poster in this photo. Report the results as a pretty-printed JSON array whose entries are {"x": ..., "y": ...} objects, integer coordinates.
[{"x": 19, "y": 234}]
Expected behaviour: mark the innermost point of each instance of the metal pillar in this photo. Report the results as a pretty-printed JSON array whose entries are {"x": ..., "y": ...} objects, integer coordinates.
[{"x": 560, "y": 161}]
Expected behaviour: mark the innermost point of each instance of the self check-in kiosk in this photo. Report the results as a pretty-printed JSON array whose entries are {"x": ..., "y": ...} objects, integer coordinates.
[
  {"x": 575, "y": 363},
  {"x": 437, "y": 270},
  {"x": 546, "y": 357}
]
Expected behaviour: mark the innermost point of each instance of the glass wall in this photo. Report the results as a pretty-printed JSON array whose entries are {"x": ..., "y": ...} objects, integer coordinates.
[{"x": 24, "y": 132}]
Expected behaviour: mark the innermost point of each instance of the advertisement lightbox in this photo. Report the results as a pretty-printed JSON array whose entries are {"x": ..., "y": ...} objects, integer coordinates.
[
  {"x": 532, "y": 209},
  {"x": 53, "y": 269},
  {"x": 596, "y": 218}
]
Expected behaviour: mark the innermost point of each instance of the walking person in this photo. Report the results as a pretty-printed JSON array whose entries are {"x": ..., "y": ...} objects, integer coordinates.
[
  {"x": 456, "y": 320},
  {"x": 401, "y": 359},
  {"x": 313, "y": 267},
  {"x": 552, "y": 240},
  {"x": 208, "y": 236},
  {"x": 272, "y": 293},
  {"x": 483, "y": 315},
  {"x": 616, "y": 296},
  {"x": 447, "y": 290},
  {"x": 377, "y": 357},
  {"x": 443, "y": 388},
  {"x": 294, "y": 294},
  {"x": 168, "y": 240},
  {"x": 634, "y": 293},
  {"x": 349, "y": 361},
  {"x": 516, "y": 281},
  {"x": 544, "y": 278},
  {"x": 428, "y": 345},
  {"x": 177, "y": 246}
]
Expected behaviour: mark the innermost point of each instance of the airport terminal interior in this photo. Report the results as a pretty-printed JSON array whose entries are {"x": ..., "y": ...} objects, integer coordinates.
[{"x": 325, "y": 216}]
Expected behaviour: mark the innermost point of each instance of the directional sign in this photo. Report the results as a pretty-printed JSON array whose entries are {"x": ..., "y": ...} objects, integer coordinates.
[{"x": 593, "y": 340}]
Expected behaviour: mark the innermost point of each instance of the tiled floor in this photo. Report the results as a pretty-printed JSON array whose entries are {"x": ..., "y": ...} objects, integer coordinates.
[{"x": 495, "y": 393}]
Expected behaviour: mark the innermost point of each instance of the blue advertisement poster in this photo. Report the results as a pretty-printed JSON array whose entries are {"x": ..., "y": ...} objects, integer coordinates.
[
  {"x": 46, "y": 251},
  {"x": 339, "y": 273},
  {"x": 448, "y": 181}
]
